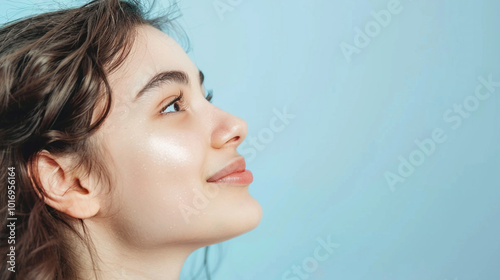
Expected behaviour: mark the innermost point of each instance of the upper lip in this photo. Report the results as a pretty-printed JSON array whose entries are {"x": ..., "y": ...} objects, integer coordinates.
[{"x": 234, "y": 167}]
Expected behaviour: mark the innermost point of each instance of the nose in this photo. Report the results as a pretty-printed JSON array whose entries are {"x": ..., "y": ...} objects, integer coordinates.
[{"x": 228, "y": 131}]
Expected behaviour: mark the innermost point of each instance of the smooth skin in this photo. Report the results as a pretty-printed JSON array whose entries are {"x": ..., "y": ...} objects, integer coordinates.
[{"x": 151, "y": 218}]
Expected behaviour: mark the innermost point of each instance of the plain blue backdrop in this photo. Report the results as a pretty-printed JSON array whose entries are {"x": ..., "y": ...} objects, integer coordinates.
[{"x": 374, "y": 133}]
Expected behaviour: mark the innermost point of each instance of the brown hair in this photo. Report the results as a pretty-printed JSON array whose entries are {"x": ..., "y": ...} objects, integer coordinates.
[{"x": 53, "y": 70}]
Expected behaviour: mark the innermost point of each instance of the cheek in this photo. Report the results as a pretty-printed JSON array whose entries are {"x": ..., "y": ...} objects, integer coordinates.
[
  {"x": 172, "y": 154},
  {"x": 154, "y": 175}
]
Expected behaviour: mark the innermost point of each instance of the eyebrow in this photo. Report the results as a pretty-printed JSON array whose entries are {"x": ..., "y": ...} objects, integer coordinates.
[{"x": 166, "y": 77}]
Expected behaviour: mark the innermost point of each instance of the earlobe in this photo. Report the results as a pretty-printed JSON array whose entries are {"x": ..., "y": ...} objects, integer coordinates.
[{"x": 65, "y": 189}]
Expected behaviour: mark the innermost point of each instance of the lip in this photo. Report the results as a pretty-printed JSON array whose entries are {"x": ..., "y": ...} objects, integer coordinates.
[{"x": 233, "y": 173}]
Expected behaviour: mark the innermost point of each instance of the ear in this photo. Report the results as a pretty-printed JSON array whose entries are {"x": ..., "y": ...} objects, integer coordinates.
[{"x": 66, "y": 190}]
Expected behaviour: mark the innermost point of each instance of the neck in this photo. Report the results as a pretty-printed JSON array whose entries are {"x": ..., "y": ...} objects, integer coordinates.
[
  {"x": 112, "y": 258},
  {"x": 143, "y": 265}
]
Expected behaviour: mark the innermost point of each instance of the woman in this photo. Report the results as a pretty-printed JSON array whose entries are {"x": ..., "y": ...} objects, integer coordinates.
[{"x": 118, "y": 166}]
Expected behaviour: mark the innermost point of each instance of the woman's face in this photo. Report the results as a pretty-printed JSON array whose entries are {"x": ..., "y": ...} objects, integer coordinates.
[{"x": 161, "y": 156}]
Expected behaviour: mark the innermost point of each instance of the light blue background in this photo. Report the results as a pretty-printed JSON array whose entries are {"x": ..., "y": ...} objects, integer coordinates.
[{"x": 323, "y": 174}]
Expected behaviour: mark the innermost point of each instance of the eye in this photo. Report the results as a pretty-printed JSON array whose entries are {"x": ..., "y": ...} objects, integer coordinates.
[{"x": 175, "y": 106}]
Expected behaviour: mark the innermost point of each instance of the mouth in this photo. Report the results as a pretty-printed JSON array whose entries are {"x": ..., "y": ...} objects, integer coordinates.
[{"x": 233, "y": 173}]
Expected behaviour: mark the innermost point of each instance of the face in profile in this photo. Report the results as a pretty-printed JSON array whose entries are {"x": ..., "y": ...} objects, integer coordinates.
[{"x": 164, "y": 142}]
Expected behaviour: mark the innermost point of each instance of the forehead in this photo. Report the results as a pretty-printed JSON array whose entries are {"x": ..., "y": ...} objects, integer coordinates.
[{"x": 152, "y": 52}]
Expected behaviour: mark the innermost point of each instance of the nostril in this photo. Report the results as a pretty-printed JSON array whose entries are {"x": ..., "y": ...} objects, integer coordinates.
[{"x": 235, "y": 139}]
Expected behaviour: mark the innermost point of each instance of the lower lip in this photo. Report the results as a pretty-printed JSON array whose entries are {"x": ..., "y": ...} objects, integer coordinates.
[{"x": 242, "y": 178}]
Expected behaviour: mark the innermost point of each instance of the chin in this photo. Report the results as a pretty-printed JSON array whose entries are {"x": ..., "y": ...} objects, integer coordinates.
[
  {"x": 249, "y": 217},
  {"x": 232, "y": 222}
]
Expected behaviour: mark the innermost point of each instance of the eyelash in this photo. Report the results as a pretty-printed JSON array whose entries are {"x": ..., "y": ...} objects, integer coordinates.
[
  {"x": 179, "y": 101},
  {"x": 210, "y": 95}
]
